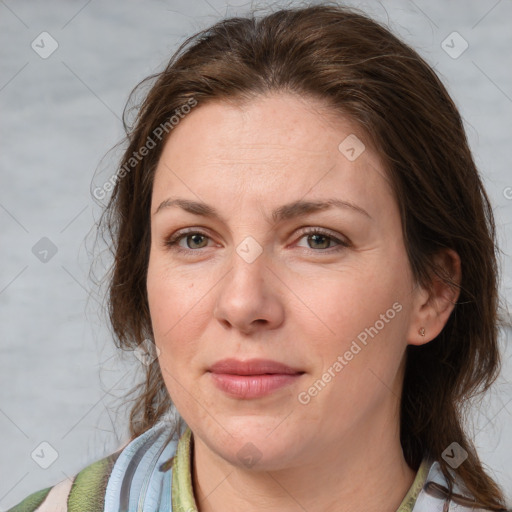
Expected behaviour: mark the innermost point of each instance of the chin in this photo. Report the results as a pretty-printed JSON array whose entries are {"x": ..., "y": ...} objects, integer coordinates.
[{"x": 256, "y": 443}]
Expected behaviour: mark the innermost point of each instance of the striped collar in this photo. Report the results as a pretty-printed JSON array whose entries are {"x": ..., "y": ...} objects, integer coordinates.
[{"x": 153, "y": 472}]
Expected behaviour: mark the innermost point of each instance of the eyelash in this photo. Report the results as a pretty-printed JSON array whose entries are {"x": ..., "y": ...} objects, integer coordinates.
[{"x": 172, "y": 241}]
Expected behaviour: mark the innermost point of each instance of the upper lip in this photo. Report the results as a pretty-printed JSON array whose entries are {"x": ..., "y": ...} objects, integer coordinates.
[{"x": 251, "y": 367}]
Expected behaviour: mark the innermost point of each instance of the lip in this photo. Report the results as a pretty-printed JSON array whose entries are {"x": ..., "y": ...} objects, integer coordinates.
[
  {"x": 253, "y": 378},
  {"x": 252, "y": 367}
]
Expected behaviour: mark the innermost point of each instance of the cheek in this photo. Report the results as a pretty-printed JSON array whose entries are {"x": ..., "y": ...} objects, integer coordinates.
[
  {"x": 352, "y": 300},
  {"x": 172, "y": 314},
  {"x": 170, "y": 297},
  {"x": 363, "y": 317}
]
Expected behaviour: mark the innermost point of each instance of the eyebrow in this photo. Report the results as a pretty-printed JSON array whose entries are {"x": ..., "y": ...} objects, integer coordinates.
[{"x": 288, "y": 211}]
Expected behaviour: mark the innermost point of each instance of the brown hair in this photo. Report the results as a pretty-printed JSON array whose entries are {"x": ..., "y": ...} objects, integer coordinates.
[{"x": 363, "y": 72}]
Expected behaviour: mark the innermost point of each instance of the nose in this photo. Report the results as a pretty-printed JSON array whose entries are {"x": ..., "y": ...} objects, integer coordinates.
[{"x": 250, "y": 297}]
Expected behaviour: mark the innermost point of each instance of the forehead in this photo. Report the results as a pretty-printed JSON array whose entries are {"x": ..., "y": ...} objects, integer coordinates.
[{"x": 276, "y": 145}]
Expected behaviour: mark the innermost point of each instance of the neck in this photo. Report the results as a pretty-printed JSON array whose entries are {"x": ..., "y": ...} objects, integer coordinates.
[{"x": 357, "y": 475}]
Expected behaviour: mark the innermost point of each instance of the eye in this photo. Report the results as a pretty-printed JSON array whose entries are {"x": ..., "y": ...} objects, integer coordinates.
[
  {"x": 195, "y": 240},
  {"x": 322, "y": 240}
]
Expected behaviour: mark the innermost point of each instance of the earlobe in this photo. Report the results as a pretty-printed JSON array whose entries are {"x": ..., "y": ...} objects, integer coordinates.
[{"x": 432, "y": 308}]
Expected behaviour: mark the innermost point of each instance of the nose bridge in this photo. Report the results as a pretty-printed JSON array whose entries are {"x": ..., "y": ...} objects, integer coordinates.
[
  {"x": 248, "y": 268},
  {"x": 247, "y": 296},
  {"x": 249, "y": 250}
]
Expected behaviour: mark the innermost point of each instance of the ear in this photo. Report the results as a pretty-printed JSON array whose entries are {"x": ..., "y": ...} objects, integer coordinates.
[{"x": 432, "y": 306}]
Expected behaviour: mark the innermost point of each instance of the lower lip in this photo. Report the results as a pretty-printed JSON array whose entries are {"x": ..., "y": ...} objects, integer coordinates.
[{"x": 252, "y": 386}]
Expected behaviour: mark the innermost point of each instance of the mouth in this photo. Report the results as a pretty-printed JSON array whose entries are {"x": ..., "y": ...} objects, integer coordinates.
[{"x": 253, "y": 378}]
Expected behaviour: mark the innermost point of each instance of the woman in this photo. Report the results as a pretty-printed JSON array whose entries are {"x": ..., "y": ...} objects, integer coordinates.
[{"x": 292, "y": 376}]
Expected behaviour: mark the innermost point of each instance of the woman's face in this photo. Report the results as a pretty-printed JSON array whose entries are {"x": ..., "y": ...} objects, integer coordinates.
[{"x": 250, "y": 279}]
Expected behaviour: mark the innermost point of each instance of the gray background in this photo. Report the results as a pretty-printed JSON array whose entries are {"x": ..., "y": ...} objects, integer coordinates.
[{"x": 60, "y": 375}]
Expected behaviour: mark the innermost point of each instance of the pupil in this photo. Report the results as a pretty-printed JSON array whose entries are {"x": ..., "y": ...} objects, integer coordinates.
[
  {"x": 193, "y": 237},
  {"x": 320, "y": 236}
]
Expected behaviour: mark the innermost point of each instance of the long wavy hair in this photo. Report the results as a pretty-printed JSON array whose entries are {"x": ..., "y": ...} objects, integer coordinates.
[{"x": 361, "y": 72}]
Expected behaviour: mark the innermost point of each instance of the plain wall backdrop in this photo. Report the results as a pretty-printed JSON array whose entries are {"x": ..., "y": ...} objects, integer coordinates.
[{"x": 66, "y": 71}]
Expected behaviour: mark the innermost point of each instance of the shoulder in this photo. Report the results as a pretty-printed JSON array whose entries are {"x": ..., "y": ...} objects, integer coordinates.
[
  {"x": 109, "y": 483},
  {"x": 434, "y": 496},
  {"x": 83, "y": 491}
]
